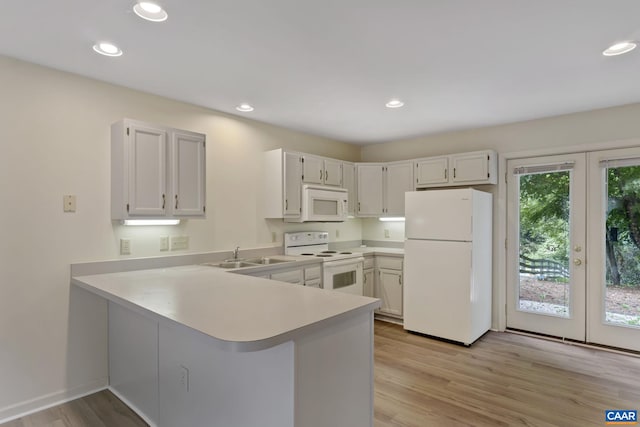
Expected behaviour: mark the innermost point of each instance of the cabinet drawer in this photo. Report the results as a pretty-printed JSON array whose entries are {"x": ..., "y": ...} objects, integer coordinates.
[
  {"x": 293, "y": 276},
  {"x": 390, "y": 263},
  {"x": 312, "y": 273},
  {"x": 368, "y": 262}
]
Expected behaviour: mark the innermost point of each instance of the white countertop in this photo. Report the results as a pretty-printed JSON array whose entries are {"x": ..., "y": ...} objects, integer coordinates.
[
  {"x": 377, "y": 250},
  {"x": 241, "y": 313}
]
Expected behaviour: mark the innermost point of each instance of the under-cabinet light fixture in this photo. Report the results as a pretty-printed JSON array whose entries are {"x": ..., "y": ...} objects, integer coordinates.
[
  {"x": 392, "y": 218},
  {"x": 151, "y": 222}
]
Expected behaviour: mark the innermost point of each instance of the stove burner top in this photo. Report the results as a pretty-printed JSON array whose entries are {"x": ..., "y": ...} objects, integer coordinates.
[
  {"x": 328, "y": 252},
  {"x": 324, "y": 255},
  {"x": 346, "y": 253},
  {"x": 307, "y": 254}
]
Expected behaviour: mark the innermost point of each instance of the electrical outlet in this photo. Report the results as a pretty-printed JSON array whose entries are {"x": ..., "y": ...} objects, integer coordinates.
[
  {"x": 184, "y": 378},
  {"x": 164, "y": 243},
  {"x": 69, "y": 203},
  {"x": 125, "y": 246},
  {"x": 386, "y": 233},
  {"x": 179, "y": 242}
]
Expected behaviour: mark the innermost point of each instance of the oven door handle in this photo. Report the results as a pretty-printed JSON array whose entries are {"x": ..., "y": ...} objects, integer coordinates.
[{"x": 350, "y": 261}]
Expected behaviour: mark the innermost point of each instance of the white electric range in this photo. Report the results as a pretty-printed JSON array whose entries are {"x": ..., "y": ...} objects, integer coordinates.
[{"x": 341, "y": 270}]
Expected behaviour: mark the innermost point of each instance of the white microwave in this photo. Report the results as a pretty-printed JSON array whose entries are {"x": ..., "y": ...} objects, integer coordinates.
[{"x": 322, "y": 204}]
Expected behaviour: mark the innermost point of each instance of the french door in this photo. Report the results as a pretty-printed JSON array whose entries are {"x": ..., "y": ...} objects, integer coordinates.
[
  {"x": 573, "y": 246},
  {"x": 546, "y": 290}
]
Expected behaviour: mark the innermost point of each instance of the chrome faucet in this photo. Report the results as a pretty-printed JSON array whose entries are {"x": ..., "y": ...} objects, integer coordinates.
[{"x": 235, "y": 252}]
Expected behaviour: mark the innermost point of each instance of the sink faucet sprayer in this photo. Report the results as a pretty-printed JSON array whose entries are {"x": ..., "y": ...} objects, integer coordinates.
[{"x": 235, "y": 252}]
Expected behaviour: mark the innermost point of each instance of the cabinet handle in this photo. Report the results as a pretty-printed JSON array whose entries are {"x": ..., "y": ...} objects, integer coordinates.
[
  {"x": 286, "y": 204},
  {"x": 400, "y": 280},
  {"x": 454, "y": 173},
  {"x": 326, "y": 175},
  {"x": 445, "y": 174},
  {"x": 176, "y": 202},
  {"x": 163, "y": 201},
  {"x": 320, "y": 174},
  {"x": 358, "y": 206}
]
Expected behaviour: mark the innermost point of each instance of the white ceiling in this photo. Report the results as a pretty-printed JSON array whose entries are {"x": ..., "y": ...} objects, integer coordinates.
[{"x": 327, "y": 67}]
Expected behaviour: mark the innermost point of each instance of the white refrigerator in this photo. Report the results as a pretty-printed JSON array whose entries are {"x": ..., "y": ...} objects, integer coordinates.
[{"x": 447, "y": 276}]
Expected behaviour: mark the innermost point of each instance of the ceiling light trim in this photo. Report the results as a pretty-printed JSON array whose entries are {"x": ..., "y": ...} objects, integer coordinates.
[
  {"x": 107, "y": 49},
  {"x": 150, "y": 11},
  {"x": 394, "y": 103},
  {"x": 245, "y": 108},
  {"x": 620, "y": 48}
]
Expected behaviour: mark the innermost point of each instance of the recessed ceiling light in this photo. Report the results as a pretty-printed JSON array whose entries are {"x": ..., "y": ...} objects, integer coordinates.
[
  {"x": 619, "y": 48},
  {"x": 394, "y": 103},
  {"x": 107, "y": 49},
  {"x": 245, "y": 108},
  {"x": 150, "y": 11}
]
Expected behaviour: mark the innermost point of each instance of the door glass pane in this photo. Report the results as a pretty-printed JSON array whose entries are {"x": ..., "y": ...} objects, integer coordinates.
[
  {"x": 622, "y": 246},
  {"x": 544, "y": 243}
]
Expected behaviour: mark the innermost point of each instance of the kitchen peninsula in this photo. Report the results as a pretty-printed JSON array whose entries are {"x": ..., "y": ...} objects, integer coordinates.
[{"x": 198, "y": 346}]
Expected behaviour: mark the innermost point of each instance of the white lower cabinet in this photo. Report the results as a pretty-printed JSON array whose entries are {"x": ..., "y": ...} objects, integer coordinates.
[{"x": 389, "y": 285}]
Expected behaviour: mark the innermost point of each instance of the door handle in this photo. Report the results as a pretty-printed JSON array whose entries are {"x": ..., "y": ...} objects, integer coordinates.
[{"x": 577, "y": 262}]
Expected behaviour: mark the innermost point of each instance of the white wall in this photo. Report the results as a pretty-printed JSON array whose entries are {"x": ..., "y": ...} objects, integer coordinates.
[{"x": 55, "y": 141}]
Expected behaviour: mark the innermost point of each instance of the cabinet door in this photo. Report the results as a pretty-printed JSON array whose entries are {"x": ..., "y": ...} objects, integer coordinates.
[
  {"x": 333, "y": 172},
  {"x": 471, "y": 167},
  {"x": 370, "y": 190},
  {"x": 292, "y": 185},
  {"x": 398, "y": 180},
  {"x": 188, "y": 174},
  {"x": 390, "y": 288},
  {"x": 368, "y": 287},
  {"x": 349, "y": 182},
  {"x": 312, "y": 169},
  {"x": 432, "y": 171},
  {"x": 147, "y": 170}
]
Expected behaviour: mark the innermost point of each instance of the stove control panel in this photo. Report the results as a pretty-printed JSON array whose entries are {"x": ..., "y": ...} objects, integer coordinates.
[{"x": 305, "y": 238}]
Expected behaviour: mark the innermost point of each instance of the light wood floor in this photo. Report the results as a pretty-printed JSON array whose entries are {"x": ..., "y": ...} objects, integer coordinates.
[{"x": 502, "y": 380}]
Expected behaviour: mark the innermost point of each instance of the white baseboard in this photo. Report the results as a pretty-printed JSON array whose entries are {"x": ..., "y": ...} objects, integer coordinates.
[
  {"x": 28, "y": 407},
  {"x": 132, "y": 407}
]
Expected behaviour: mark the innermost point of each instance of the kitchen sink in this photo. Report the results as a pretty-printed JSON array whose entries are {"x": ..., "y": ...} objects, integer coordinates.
[
  {"x": 251, "y": 262},
  {"x": 266, "y": 260},
  {"x": 235, "y": 264}
]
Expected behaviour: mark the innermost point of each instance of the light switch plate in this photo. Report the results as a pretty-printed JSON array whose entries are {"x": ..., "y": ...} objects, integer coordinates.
[
  {"x": 125, "y": 246},
  {"x": 164, "y": 243},
  {"x": 386, "y": 233},
  {"x": 69, "y": 203}
]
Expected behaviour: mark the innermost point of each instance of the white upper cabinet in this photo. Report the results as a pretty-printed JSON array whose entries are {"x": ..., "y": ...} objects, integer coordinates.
[
  {"x": 282, "y": 190},
  {"x": 370, "y": 182},
  {"x": 189, "y": 175},
  {"x": 322, "y": 171},
  {"x": 432, "y": 171},
  {"x": 398, "y": 180},
  {"x": 333, "y": 172},
  {"x": 153, "y": 168},
  {"x": 349, "y": 182},
  {"x": 478, "y": 167},
  {"x": 381, "y": 187},
  {"x": 469, "y": 168}
]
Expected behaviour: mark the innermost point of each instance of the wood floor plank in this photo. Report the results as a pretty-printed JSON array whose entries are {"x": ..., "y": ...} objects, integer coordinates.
[{"x": 504, "y": 379}]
